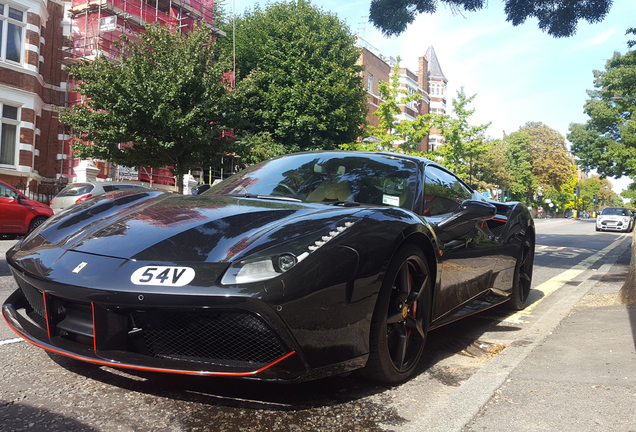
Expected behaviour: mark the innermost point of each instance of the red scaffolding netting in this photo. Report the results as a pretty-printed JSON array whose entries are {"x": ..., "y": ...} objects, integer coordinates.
[{"x": 97, "y": 24}]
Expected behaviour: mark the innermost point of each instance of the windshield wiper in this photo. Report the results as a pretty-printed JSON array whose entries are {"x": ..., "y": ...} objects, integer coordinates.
[
  {"x": 268, "y": 197},
  {"x": 278, "y": 198},
  {"x": 341, "y": 203}
]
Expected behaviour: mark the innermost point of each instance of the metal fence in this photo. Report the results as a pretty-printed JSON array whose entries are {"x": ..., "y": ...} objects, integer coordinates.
[{"x": 44, "y": 192}]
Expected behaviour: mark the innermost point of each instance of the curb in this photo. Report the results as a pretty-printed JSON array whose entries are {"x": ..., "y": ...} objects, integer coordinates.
[{"x": 461, "y": 406}]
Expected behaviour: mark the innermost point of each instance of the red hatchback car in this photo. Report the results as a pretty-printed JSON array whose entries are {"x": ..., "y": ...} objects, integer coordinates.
[{"x": 19, "y": 214}]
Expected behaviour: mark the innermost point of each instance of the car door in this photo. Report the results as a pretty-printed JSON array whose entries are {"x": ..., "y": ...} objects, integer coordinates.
[
  {"x": 465, "y": 247},
  {"x": 13, "y": 214}
]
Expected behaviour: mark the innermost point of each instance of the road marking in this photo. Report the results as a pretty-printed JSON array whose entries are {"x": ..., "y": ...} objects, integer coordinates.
[
  {"x": 540, "y": 292},
  {"x": 10, "y": 341}
]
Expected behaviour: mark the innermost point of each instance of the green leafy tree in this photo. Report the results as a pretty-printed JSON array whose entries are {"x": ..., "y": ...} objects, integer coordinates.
[
  {"x": 492, "y": 169},
  {"x": 463, "y": 143},
  {"x": 552, "y": 165},
  {"x": 254, "y": 148},
  {"x": 302, "y": 79},
  {"x": 520, "y": 163},
  {"x": 165, "y": 98},
  {"x": 607, "y": 142},
  {"x": 558, "y": 18}
]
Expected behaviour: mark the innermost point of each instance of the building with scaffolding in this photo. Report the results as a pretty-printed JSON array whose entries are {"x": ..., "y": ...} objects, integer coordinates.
[
  {"x": 38, "y": 39},
  {"x": 96, "y": 25}
]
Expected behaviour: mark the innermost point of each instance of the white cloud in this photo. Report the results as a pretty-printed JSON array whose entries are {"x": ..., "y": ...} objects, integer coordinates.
[{"x": 598, "y": 39}]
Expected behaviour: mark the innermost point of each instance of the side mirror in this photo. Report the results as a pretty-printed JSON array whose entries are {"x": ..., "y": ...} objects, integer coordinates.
[{"x": 476, "y": 210}]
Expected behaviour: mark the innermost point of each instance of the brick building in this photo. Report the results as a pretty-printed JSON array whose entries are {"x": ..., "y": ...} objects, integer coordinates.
[
  {"x": 38, "y": 39},
  {"x": 429, "y": 81},
  {"x": 32, "y": 82}
]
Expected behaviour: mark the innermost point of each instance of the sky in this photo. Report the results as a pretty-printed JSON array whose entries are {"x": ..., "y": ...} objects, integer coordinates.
[{"x": 519, "y": 74}]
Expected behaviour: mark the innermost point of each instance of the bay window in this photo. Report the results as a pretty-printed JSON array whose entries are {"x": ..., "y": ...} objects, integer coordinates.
[{"x": 11, "y": 33}]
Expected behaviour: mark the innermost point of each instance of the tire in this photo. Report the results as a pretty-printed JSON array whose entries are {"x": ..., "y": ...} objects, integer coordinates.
[
  {"x": 36, "y": 222},
  {"x": 597, "y": 228},
  {"x": 401, "y": 318},
  {"x": 522, "y": 279}
]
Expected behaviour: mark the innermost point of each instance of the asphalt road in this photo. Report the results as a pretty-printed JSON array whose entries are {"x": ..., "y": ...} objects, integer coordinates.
[{"x": 42, "y": 391}]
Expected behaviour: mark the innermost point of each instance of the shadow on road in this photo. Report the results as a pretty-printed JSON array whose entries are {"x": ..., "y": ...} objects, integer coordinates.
[{"x": 17, "y": 416}]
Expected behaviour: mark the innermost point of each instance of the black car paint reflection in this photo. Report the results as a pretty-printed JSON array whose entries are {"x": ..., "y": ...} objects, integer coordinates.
[{"x": 313, "y": 318}]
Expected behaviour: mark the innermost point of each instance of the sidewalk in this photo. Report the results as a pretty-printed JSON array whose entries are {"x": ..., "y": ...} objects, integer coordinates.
[{"x": 581, "y": 377}]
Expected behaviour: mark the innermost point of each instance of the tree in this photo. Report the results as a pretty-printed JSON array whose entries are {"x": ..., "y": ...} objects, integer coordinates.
[
  {"x": 558, "y": 18},
  {"x": 552, "y": 166},
  {"x": 607, "y": 142},
  {"x": 302, "y": 83},
  {"x": 165, "y": 98},
  {"x": 463, "y": 143},
  {"x": 520, "y": 163},
  {"x": 492, "y": 169},
  {"x": 254, "y": 148}
]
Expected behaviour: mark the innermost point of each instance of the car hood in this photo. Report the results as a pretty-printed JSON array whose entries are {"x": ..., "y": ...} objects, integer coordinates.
[
  {"x": 613, "y": 217},
  {"x": 158, "y": 226}
]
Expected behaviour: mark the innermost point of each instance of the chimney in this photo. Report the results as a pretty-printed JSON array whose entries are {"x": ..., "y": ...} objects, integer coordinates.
[{"x": 422, "y": 74}]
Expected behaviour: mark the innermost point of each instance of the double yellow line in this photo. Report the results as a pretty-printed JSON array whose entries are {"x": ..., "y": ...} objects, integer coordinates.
[{"x": 543, "y": 290}]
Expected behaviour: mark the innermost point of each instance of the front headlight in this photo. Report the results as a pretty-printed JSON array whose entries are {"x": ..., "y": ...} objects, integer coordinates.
[
  {"x": 269, "y": 265},
  {"x": 259, "y": 269},
  {"x": 625, "y": 220}
]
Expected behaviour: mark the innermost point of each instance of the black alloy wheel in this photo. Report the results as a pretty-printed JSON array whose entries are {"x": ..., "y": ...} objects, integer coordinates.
[
  {"x": 522, "y": 279},
  {"x": 401, "y": 318},
  {"x": 36, "y": 222}
]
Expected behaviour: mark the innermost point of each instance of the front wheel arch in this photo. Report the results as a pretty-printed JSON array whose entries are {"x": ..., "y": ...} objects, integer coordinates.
[{"x": 36, "y": 222}]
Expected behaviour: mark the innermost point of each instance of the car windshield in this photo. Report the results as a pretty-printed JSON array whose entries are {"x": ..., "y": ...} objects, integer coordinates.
[
  {"x": 329, "y": 177},
  {"x": 76, "y": 190},
  {"x": 612, "y": 212}
]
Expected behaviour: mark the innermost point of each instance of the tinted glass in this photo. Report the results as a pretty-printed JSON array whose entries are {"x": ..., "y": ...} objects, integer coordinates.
[
  {"x": 443, "y": 192},
  {"x": 76, "y": 190},
  {"x": 612, "y": 211},
  {"x": 126, "y": 186},
  {"x": 7, "y": 192},
  {"x": 328, "y": 177}
]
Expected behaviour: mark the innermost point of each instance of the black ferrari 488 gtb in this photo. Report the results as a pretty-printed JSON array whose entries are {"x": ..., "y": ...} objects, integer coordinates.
[{"x": 304, "y": 266}]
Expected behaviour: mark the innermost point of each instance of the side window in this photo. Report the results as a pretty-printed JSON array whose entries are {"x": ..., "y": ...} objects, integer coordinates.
[
  {"x": 7, "y": 192},
  {"x": 109, "y": 188},
  {"x": 443, "y": 192}
]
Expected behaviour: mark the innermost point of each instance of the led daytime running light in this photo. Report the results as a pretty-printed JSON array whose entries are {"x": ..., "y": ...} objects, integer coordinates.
[{"x": 332, "y": 234}]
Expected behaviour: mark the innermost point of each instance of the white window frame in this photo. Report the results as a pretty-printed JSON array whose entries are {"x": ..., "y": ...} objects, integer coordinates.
[
  {"x": 370, "y": 82},
  {"x": 16, "y": 122},
  {"x": 4, "y": 36}
]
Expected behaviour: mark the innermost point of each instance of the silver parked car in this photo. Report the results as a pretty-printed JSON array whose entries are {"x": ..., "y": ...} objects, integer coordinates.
[{"x": 77, "y": 192}]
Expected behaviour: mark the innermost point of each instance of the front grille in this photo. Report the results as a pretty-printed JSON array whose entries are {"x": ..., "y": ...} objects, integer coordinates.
[
  {"x": 36, "y": 300},
  {"x": 228, "y": 338},
  {"x": 497, "y": 230}
]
